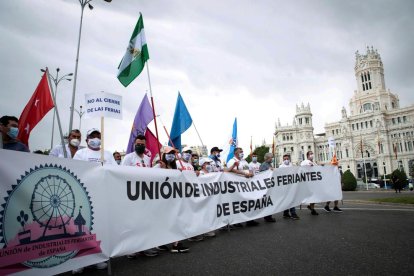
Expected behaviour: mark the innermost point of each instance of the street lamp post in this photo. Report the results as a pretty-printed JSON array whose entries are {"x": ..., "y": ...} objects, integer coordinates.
[
  {"x": 83, "y": 3},
  {"x": 80, "y": 113},
  {"x": 56, "y": 80}
]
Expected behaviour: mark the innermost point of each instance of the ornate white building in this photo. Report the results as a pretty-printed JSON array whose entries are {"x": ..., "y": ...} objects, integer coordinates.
[{"x": 377, "y": 131}]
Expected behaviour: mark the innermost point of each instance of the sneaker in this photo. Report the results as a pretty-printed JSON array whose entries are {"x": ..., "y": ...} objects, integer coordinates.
[
  {"x": 269, "y": 219},
  {"x": 102, "y": 265},
  {"x": 210, "y": 234},
  {"x": 132, "y": 256},
  {"x": 327, "y": 209},
  {"x": 286, "y": 216},
  {"x": 179, "y": 248},
  {"x": 149, "y": 253},
  {"x": 252, "y": 223},
  {"x": 314, "y": 213},
  {"x": 295, "y": 217},
  {"x": 162, "y": 248},
  {"x": 77, "y": 271},
  {"x": 196, "y": 238},
  {"x": 337, "y": 210}
]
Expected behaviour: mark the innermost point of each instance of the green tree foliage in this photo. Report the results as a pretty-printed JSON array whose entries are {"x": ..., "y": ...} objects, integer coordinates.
[
  {"x": 349, "y": 182},
  {"x": 401, "y": 175}
]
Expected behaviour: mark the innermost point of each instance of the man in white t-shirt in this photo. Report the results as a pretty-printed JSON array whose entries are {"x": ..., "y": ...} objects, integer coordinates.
[
  {"x": 240, "y": 166},
  {"x": 184, "y": 163},
  {"x": 215, "y": 156},
  {"x": 72, "y": 146},
  {"x": 309, "y": 162},
  {"x": 93, "y": 152},
  {"x": 254, "y": 166},
  {"x": 286, "y": 164},
  {"x": 138, "y": 157}
]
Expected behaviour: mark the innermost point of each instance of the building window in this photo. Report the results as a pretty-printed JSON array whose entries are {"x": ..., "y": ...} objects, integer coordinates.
[
  {"x": 362, "y": 125},
  {"x": 393, "y": 121},
  {"x": 398, "y": 120},
  {"x": 353, "y": 127},
  {"x": 346, "y": 153},
  {"x": 404, "y": 119},
  {"x": 300, "y": 121},
  {"x": 392, "y": 105},
  {"x": 307, "y": 120},
  {"x": 369, "y": 85},
  {"x": 357, "y": 126},
  {"x": 370, "y": 123},
  {"x": 369, "y": 77}
]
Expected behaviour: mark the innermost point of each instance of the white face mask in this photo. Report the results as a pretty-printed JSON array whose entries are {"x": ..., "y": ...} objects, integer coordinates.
[
  {"x": 311, "y": 157},
  {"x": 169, "y": 157},
  {"x": 186, "y": 156},
  {"x": 286, "y": 162},
  {"x": 75, "y": 142},
  {"x": 208, "y": 168},
  {"x": 94, "y": 143},
  {"x": 254, "y": 159},
  {"x": 118, "y": 162},
  {"x": 241, "y": 155}
]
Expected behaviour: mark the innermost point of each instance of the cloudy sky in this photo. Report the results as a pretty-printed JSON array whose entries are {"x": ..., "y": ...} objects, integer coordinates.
[{"x": 254, "y": 60}]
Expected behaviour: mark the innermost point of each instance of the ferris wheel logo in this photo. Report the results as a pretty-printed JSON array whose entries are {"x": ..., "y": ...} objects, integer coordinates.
[{"x": 46, "y": 220}]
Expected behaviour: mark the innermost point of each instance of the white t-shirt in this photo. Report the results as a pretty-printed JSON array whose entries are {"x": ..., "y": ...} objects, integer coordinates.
[
  {"x": 186, "y": 166},
  {"x": 285, "y": 166},
  {"x": 307, "y": 163},
  {"x": 133, "y": 159},
  {"x": 86, "y": 154},
  {"x": 243, "y": 165},
  {"x": 57, "y": 151},
  {"x": 254, "y": 167}
]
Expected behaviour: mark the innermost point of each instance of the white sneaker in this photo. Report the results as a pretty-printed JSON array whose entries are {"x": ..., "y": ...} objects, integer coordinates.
[
  {"x": 102, "y": 265},
  {"x": 77, "y": 271},
  {"x": 210, "y": 234}
]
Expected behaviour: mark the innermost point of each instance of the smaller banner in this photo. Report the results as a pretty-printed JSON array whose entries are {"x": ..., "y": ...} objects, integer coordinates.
[
  {"x": 103, "y": 105},
  {"x": 331, "y": 142}
]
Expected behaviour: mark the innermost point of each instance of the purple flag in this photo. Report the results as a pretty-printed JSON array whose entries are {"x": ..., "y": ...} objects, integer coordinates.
[{"x": 142, "y": 119}]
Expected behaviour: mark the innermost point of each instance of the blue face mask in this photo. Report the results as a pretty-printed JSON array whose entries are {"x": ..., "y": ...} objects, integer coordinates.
[{"x": 13, "y": 132}]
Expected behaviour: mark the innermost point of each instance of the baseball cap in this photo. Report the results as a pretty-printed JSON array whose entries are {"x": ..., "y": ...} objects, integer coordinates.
[
  {"x": 168, "y": 149},
  {"x": 185, "y": 149},
  {"x": 205, "y": 160},
  {"x": 215, "y": 149},
  {"x": 92, "y": 130}
]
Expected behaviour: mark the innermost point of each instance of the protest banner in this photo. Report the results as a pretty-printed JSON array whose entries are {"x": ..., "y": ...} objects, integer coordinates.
[{"x": 64, "y": 214}]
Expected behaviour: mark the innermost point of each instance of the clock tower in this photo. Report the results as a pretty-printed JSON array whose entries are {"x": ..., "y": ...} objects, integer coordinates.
[{"x": 371, "y": 94}]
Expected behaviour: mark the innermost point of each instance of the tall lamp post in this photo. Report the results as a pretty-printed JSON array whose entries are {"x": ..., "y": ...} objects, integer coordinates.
[
  {"x": 83, "y": 4},
  {"x": 80, "y": 113},
  {"x": 56, "y": 80}
]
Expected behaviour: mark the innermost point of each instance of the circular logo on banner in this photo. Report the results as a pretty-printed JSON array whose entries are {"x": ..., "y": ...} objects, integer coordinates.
[{"x": 46, "y": 217}]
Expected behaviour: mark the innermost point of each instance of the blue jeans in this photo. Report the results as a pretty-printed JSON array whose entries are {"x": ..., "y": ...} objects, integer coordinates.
[{"x": 291, "y": 210}]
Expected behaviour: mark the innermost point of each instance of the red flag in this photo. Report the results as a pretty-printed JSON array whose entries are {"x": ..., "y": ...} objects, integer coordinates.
[
  {"x": 152, "y": 145},
  {"x": 37, "y": 107}
]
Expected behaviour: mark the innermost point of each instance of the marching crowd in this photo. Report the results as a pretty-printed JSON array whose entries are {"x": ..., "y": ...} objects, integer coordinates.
[{"x": 171, "y": 158}]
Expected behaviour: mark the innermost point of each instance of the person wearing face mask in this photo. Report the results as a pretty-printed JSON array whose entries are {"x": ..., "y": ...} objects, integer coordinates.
[
  {"x": 195, "y": 162},
  {"x": 71, "y": 147},
  {"x": 309, "y": 162},
  {"x": 184, "y": 163},
  {"x": 254, "y": 166},
  {"x": 267, "y": 165},
  {"x": 117, "y": 156},
  {"x": 9, "y": 127},
  {"x": 206, "y": 167},
  {"x": 168, "y": 162},
  {"x": 215, "y": 156},
  {"x": 289, "y": 213},
  {"x": 92, "y": 153},
  {"x": 138, "y": 158},
  {"x": 240, "y": 166}
]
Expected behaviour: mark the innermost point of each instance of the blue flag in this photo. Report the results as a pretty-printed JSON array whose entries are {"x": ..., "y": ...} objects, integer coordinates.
[
  {"x": 181, "y": 122},
  {"x": 233, "y": 141}
]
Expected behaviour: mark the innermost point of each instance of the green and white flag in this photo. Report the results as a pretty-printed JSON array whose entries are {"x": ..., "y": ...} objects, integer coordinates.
[{"x": 135, "y": 56}]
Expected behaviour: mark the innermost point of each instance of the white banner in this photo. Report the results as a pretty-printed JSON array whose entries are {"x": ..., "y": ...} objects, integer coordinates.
[
  {"x": 103, "y": 105},
  {"x": 60, "y": 214}
]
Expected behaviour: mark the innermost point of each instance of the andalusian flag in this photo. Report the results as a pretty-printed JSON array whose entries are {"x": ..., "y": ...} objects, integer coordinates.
[{"x": 135, "y": 56}]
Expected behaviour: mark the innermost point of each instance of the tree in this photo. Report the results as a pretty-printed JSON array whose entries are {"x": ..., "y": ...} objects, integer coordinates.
[
  {"x": 349, "y": 182},
  {"x": 401, "y": 176},
  {"x": 260, "y": 152}
]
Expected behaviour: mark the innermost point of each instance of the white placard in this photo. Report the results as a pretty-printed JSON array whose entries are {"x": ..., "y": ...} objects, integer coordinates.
[
  {"x": 103, "y": 105},
  {"x": 331, "y": 142}
]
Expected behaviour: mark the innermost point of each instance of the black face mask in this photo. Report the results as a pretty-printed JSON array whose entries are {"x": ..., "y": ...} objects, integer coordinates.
[{"x": 139, "y": 149}]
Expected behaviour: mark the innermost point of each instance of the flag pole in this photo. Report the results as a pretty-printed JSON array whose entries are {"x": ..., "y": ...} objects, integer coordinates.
[
  {"x": 102, "y": 139},
  {"x": 199, "y": 137},
  {"x": 65, "y": 154},
  {"x": 153, "y": 110}
]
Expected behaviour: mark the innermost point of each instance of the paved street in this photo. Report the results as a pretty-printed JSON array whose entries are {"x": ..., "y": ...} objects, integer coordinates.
[{"x": 366, "y": 239}]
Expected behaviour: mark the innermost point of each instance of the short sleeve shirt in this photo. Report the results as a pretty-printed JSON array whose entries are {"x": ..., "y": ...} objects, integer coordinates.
[
  {"x": 133, "y": 159},
  {"x": 86, "y": 154}
]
